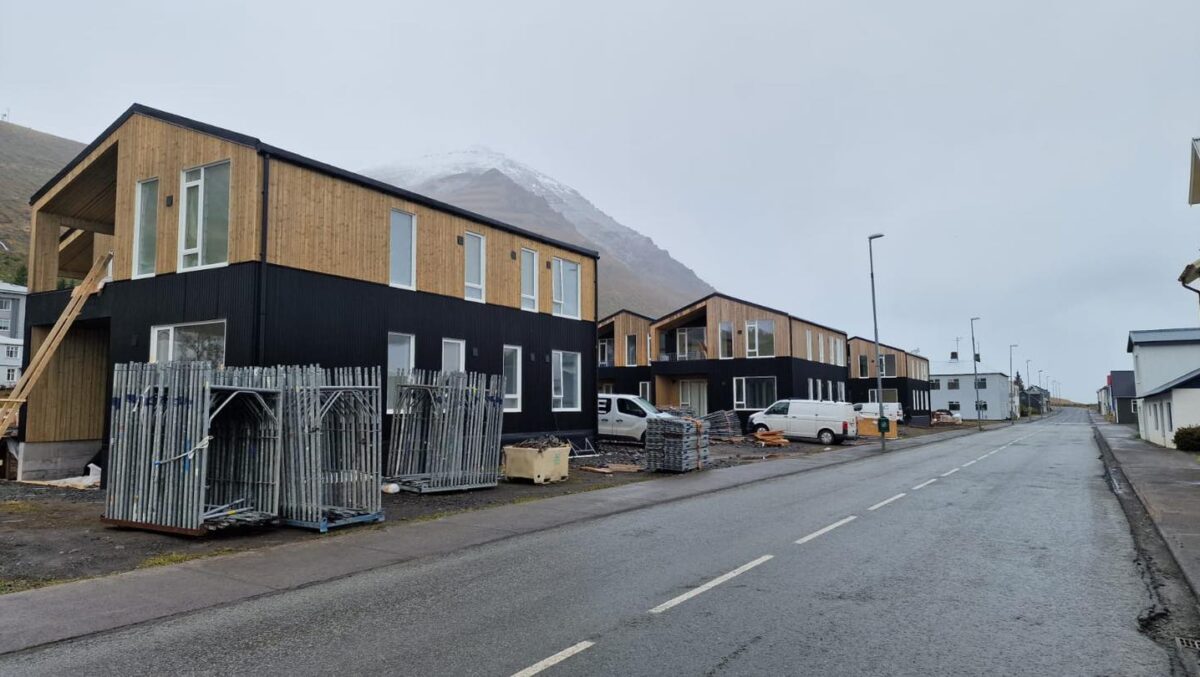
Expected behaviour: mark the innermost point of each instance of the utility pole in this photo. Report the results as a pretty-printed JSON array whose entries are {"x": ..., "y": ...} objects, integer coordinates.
[
  {"x": 1041, "y": 395},
  {"x": 878, "y": 364},
  {"x": 1011, "y": 383},
  {"x": 975, "y": 371},
  {"x": 1028, "y": 375}
]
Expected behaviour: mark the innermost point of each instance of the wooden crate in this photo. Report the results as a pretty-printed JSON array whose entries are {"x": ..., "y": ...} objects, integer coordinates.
[{"x": 540, "y": 466}]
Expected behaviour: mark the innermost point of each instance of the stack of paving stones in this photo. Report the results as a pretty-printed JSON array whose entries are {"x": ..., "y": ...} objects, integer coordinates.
[{"x": 676, "y": 445}]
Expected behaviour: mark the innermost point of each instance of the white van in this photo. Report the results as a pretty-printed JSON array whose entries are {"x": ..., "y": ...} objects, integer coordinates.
[
  {"x": 892, "y": 410},
  {"x": 827, "y": 422},
  {"x": 624, "y": 416}
]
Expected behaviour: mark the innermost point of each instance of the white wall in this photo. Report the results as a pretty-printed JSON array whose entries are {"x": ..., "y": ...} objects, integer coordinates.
[
  {"x": 1153, "y": 423},
  {"x": 1156, "y": 363},
  {"x": 996, "y": 395}
]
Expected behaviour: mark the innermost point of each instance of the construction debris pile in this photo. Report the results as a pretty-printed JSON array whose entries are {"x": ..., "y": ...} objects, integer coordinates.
[
  {"x": 770, "y": 438},
  {"x": 195, "y": 447},
  {"x": 445, "y": 431},
  {"x": 723, "y": 424},
  {"x": 676, "y": 444}
]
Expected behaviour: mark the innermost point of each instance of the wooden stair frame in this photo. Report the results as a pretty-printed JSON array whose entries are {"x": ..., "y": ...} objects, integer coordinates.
[{"x": 92, "y": 283}]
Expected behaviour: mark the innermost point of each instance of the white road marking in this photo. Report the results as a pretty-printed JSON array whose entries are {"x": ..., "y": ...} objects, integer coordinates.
[
  {"x": 825, "y": 530},
  {"x": 949, "y": 472},
  {"x": 924, "y": 484},
  {"x": 554, "y": 660},
  {"x": 880, "y": 504},
  {"x": 983, "y": 457},
  {"x": 709, "y": 585},
  {"x": 968, "y": 464}
]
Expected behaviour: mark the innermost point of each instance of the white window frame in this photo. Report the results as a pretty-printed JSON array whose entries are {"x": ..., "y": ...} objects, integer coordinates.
[
  {"x": 841, "y": 390},
  {"x": 12, "y": 352},
  {"x": 808, "y": 343},
  {"x": 721, "y": 340},
  {"x": 171, "y": 341},
  {"x": 739, "y": 383},
  {"x": 649, "y": 348},
  {"x": 13, "y": 374},
  {"x": 820, "y": 348},
  {"x": 820, "y": 385},
  {"x": 520, "y": 376},
  {"x": 412, "y": 361},
  {"x": 578, "y": 380},
  {"x": 198, "y": 251},
  {"x": 810, "y": 388},
  {"x": 525, "y": 297},
  {"x": 462, "y": 353},
  {"x": 5, "y": 324},
  {"x": 754, "y": 355},
  {"x": 412, "y": 254},
  {"x": 631, "y": 342},
  {"x": 6, "y": 304},
  {"x": 482, "y": 286},
  {"x": 644, "y": 390},
  {"x": 606, "y": 345},
  {"x": 556, "y": 270},
  {"x": 137, "y": 228}
]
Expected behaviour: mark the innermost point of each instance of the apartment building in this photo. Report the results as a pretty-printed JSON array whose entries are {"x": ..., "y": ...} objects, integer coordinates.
[
  {"x": 905, "y": 378},
  {"x": 721, "y": 352},
  {"x": 228, "y": 249},
  {"x": 953, "y": 384},
  {"x": 1164, "y": 366},
  {"x": 623, "y": 347},
  {"x": 12, "y": 319}
]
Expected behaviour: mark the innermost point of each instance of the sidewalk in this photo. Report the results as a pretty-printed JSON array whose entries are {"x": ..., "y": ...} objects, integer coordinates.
[
  {"x": 70, "y": 610},
  {"x": 1167, "y": 482}
]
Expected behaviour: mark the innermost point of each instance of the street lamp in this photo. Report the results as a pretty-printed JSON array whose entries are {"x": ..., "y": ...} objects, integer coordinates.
[
  {"x": 1011, "y": 383},
  {"x": 1041, "y": 395},
  {"x": 878, "y": 364},
  {"x": 975, "y": 370},
  {"x": 1190, "y": 277}
]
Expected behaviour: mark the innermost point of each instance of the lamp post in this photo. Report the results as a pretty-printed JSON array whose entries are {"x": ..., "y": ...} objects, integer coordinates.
[
  {"x": 1041, "y": 395},
  {"x": 1028, "y": 404},
  {"x": 975, "y": 371},
  {"x": 1011, "y": 383},
  {"x": 878, "y": 365}
]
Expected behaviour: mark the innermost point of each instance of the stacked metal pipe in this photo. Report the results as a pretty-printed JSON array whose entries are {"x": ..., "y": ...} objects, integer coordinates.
[{"x": 445, "y": 432}]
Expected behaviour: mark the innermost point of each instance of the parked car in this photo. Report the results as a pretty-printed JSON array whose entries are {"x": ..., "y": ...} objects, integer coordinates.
[
  {"x": 892, "y": 410},
  {"x": 625, "y": 416},
  {"x": 946, "y": 416},
  {"x": 827, "y": 422}
]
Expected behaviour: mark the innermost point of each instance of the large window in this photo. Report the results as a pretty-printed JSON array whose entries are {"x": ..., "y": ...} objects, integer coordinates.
[
  {"x": 889, "y": 365},
  {"x": 889, "y": 395},
  {"x": 644, "y": 390},
  {"x": 204, "y": 218},
  {"x": 935, "y": 384},
  {"x": 512, "y": 378},
  {"x": 841, "y": 353},
  {"x": 5, "y": 324},
  {"x": 454, "y": 355},
  {"x": 6, "y": 304},
  {"x": 689, "y": 343},
  {"x": 12, "y": 352},
  {"x": 952, "y": 384},
  {"x": 565, "y": 381},
  {"x": 808, "y": 344},
  {"x": 197, "y": 341},
  {"x": 753, "y": 392},
  {"x": 725, "y": 343},
  {"x": 475, "y": 263},
  {"x": 145, "y": 228},
  {"x": 863, "y": 371},
  {"x": 760, "y": 338},
  {"x": 631, "y": 350},
  {"x": 605, "y": 352},
  {"x": 400, "y": 352},
  {"x": 565, "y": 288},
  {"x": 529, "y": 287},
  {"x": 403, "y": 254},
  {"x": 981, "y": 383}
]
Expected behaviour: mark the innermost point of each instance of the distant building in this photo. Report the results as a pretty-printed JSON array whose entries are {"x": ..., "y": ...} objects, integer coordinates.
[
  {"x": 1165, "y": 362},
  {"x": 1036, "y": 399},
  {"x": 1120, "y": 398},
  {"x": 951, "y": 388},
  {"x": 905, "y": 378},
  {"x": 12, "y": 319}
]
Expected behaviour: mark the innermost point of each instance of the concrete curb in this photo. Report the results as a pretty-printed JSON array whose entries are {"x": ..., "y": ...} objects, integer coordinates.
[{"x": 45, "y": 616}]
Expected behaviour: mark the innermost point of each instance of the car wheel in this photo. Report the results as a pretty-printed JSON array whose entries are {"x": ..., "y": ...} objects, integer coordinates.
[
  {"x": 642, "y": 439},
  {"x": 761, "y": 428},
  {"x": 825, "y": 436}
]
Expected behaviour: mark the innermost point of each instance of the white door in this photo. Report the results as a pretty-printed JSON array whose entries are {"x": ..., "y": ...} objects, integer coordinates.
[{"x": 693, "y": 395}]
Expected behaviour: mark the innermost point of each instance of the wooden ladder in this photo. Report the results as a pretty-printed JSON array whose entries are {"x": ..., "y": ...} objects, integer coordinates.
[{"x": 10, "y": 406}]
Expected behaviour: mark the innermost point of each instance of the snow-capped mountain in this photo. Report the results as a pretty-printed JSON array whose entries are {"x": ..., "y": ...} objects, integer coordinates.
[{"x": 635, "y": 273}]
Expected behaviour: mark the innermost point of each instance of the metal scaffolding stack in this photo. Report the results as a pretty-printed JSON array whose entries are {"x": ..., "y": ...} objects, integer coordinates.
[
  {"x": 723, "y": 423},
  {"x": 445, "y": 432},
  {"x": 676, "y": 444},
  {"x": 332, "y": 447},
  {"x": 193, "y": 448}
]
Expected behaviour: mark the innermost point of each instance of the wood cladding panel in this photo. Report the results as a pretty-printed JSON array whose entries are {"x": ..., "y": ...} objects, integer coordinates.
[
  {"x": 68, "y": 403},
  {"x": 801, "y": 333},
  {"x": 719, "y": 309},
  {"x": 324, "y": 224},
  {"x": 905, "y": 362},
  {"x": 150, "y": 148},
  {"x": 625, "y": 324}
]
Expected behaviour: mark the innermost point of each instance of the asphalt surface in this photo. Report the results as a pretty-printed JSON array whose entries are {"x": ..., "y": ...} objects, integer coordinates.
[{"x": 1016, "y": 560}]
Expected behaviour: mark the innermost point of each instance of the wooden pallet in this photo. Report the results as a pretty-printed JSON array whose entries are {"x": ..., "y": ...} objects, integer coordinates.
[{"x": 92, "y": 283}]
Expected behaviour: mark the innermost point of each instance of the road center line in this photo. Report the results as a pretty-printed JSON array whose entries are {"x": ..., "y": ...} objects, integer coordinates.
[
  {"x": 709, "y": 585},
  {"x": 924, "y": 484},
  {"x": 950, "y": 472},
  {"x": 984, "y": 456},
  {"x": 825, "y": 530},
  {"x": 968, "y": 464},
  {"x": 880, "y": 504},
  {"x": 554, "y": 660}
]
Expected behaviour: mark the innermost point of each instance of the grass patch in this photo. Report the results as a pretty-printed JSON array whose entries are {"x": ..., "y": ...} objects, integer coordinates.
[
  {"x": 10, "y": 585},
  {"x": 175, "y": 557},
  {"x": 18, "y": 507}
]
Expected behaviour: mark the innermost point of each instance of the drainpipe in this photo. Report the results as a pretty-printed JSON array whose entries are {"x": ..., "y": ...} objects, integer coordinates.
[{"x": 260, "y": 329}]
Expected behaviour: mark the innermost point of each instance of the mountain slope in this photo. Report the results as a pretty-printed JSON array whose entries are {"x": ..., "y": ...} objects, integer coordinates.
[
  {"x": 28, "y": 159},
  {"x": 635, "y": 273}
]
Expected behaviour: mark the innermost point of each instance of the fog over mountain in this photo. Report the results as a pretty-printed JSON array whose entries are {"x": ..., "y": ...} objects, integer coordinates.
[{"x": 635, "y": 273}]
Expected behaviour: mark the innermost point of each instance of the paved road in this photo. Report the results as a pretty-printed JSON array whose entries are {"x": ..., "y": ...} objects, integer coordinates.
[{"x": 1005, "y": 555}]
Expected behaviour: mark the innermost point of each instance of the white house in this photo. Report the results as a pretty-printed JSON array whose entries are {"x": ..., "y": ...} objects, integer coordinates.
[
  {"x": 951, "y": 387},
  {"x": 1165, "y": 364},
  {"x": 10, "y": 361}
]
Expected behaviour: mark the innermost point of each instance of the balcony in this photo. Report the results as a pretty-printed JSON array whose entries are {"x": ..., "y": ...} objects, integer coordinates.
[{"x": 683, "y": 356}]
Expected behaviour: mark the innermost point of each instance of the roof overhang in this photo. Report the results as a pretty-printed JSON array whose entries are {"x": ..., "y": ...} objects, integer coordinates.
[{"x": 1194, "y": 185}]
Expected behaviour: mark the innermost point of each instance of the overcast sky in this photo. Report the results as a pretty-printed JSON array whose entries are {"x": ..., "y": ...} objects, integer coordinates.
[{"x": 1028, "y": 161}]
